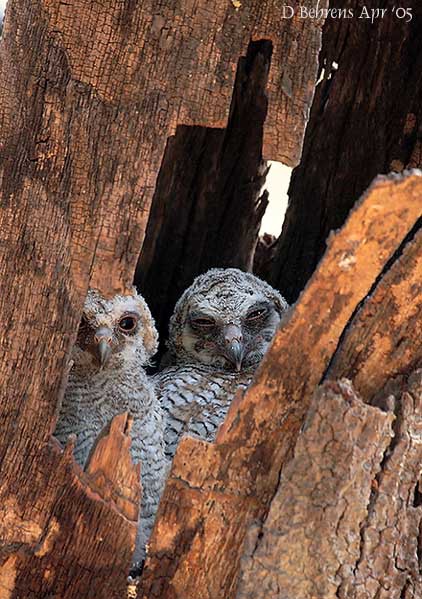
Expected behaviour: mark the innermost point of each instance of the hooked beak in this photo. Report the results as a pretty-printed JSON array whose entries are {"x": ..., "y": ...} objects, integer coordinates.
[
  {"x": 102, "y": 339},
  {"x": 234, "y": 349}
]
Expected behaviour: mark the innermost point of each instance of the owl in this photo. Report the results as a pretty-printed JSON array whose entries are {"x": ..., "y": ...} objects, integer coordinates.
[
  {"x": 116, "y": 339},
  {"x": 220, "y": 329}
]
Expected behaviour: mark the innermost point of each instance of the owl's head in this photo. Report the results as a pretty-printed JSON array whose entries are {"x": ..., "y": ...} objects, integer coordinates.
[
  {"x": 114, "y": 332},
  {"x": 226, "y": 318}
]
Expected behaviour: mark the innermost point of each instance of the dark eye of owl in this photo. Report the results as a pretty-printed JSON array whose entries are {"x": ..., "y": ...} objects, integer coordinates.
[
  {"x": 257, "y": 314},
  {"x": 202, "y": 322},
  {"x": 128, "y": 323}
]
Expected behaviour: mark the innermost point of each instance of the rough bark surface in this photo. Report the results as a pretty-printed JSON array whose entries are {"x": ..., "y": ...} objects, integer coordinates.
[
  {"x": 215, "y": 491},
  {"x": 387, "y": 329},
  {"x": 345, "y": 522},
  {"x": 110, "y": 467},
  {"x": 90, "y": 93},
  {"x": 311, "y": 538},
  {"x": 389, "y": 562},
  {"x": 365, "y": 120},
  {"x": 207, "y": 205},
  {"x": 73, "y": 534}
]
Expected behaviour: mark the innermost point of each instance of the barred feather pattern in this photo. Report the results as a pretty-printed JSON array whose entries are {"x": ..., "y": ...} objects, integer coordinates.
[
  {"x": 93, "y": 397},
  {"x": 195, "y": 399},
  {"x": 200, "y": 375},
  {"x": 89, "y": 405}
]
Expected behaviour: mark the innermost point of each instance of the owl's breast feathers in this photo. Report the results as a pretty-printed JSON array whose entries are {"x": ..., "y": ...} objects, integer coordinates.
[
  {"x": 91, "y": 402},
  {"x": 195, "y": 399}
]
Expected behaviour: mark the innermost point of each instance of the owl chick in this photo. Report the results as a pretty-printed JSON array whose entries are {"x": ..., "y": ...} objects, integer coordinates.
[
  {"x": 116, "y": 339},
  {"x": 220, "y": 329}
]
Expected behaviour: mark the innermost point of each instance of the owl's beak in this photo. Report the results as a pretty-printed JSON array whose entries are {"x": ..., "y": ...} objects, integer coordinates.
[
  {"x": 102, "y": 339},
  {"x": 234, "y": 349}
]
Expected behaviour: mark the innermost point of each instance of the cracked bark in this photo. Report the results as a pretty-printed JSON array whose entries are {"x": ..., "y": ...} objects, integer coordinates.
[
  {"x": 387, "y": 328},
  {"x": 310, "y": 548},
  {"x": 215, "y": 492},
  {"x": 86, "y": 516},
  {"x": 90, "y": 94},
  {"x": 344, "y": 523},
  {"x": 365, "y": 120},
  {"x": 311, "y": 538}
]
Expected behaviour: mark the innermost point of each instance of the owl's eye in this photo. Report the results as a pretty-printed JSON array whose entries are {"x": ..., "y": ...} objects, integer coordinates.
[
  {"x": 202, "y": 322},
  {"x": 257, "y": 314},
  {"x": 128, "y": 323}
]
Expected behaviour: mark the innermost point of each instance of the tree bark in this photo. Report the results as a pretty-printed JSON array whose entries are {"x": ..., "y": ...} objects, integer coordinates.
[
  {"x": 207, "y": 205},
  {"x": 365, "y": 120},
  {"x": 90, "y": 94},
  {"x": 387, "y": 328},
  {"x": 216, "y": 491},
  {"x": 71, "y": 534},
  {"x": 345, "y": 521}
]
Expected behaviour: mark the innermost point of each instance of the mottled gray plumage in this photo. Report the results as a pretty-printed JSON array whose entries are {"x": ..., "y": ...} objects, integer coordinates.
[
  {"x": 116, "y": 339},
  {"x": 221, "y": 327}
]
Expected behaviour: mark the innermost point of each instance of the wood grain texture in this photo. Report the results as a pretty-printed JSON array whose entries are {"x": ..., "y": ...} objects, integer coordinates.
[
  {"x": 215, "y": 491},
  {"x": 388, "y": 565},
  {"x": 90, "y": 94},
  {"x": 365, "y": 121},
  {"x": 384, "y": 338},
  {"x": 73, "y": 534},
  {"x": 311, "y": 537},
  {"x": 109, "y": 467},
  {"x": 345, "y": 521}
]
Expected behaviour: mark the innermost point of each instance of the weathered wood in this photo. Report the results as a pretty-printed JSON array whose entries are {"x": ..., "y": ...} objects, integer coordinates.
[
  {"x": 388, "y": 566},
  {"x": 90, "y": 93},
  {"x": 83, "y": 543},
  {"x": 110, "y": 469},
  {"x": 310, "y": 546},
  {"x": 311, "y": 539},
  {"x": 384, "y": 339},
  {"x": 215, "y": 491},
  {"x": 345, "y": 522},
  {"x": 365, "y": 120}
]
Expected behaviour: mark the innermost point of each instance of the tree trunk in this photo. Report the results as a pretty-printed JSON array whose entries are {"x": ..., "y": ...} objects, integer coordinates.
[
  {"x": 365, "y": 120},
  {"x": 345, "y": 521},
  {"x": 216, "y": 492},
  {"x": 207, "y": 205},
  {"x": 90, "y": 94}
]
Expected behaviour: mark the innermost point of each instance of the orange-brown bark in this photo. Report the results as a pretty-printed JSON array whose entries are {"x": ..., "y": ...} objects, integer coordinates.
[
  {"x": 90, "y": 93},
  {"x": 384, "y": 338},
  {"x": 216, "y": 491},
  {"x": 71, "y": 535},
  {"x": 365, "y": 121},
  {"x": 346, "y": 519}
]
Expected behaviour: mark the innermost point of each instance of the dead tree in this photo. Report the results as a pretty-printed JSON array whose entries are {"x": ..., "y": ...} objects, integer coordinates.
[
  {"x": 207, "y": 205},
  {"x": 90, "y": 95},
  {"x": 345, "y": 521},
  {"x": 365, "y": 121},
  {"x": 219, "y": 495}
]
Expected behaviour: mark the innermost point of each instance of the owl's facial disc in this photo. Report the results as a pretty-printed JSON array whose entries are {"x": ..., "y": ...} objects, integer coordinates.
[
  {"x": 107, "y": 341},
  {"x": 231, "y": 342}
]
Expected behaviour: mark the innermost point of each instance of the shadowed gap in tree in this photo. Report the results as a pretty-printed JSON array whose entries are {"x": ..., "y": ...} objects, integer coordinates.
[{"x": 208, "y": 202}]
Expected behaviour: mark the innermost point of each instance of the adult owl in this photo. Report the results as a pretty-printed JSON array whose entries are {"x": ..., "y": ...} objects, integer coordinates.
[
  {"x": 220, "y": 329},
  {"x": 116, "y": 339}
]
